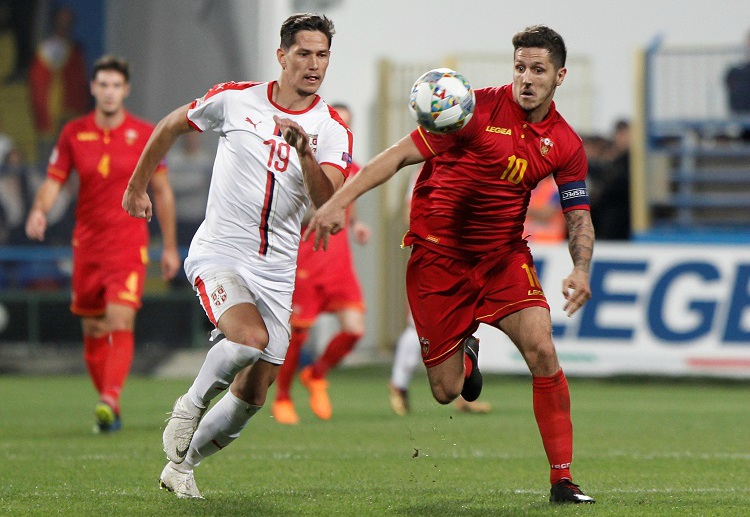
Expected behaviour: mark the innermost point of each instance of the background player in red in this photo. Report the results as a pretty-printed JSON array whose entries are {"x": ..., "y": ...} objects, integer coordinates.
[
  {"x": 469, "y": 261},
  {"x": 325, "y": 282},
  {"x": 110, "y": 248}
]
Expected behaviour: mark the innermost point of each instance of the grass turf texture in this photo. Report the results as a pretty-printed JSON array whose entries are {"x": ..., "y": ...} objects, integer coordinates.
[{"x": 642, "y": 448}]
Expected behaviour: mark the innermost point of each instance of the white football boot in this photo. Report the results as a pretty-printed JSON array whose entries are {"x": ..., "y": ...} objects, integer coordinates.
[
  {"x": 179, "y": 431},
  {"x": 182, "y": 484}
]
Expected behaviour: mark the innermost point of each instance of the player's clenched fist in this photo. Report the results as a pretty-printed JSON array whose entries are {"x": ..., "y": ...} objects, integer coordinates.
[
  {"x": 137, "y": 204},
  {"x": 293, "y": 134}
]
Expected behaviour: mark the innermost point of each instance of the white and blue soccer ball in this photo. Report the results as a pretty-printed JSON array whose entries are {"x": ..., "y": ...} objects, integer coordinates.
[{"x": 442, "y": 101}]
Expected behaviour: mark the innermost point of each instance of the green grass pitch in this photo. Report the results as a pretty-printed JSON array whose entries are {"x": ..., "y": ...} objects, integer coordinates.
[{"x": 642, "y": 447}]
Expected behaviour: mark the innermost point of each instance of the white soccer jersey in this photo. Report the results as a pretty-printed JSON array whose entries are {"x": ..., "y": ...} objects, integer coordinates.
[{"x": 257, "y": 195}]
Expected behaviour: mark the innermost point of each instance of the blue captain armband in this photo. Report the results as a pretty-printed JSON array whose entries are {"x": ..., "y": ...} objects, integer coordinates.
[{"x": 574, "y": 195}]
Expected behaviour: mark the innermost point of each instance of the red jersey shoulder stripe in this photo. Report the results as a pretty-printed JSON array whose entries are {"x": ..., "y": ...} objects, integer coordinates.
[
  {"x": 218, "y": 88},
  {"x": 231, "y": 85}
]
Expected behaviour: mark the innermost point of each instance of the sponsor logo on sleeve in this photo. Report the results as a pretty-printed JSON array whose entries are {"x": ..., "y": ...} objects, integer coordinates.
[{"x": 574, "y": 193}]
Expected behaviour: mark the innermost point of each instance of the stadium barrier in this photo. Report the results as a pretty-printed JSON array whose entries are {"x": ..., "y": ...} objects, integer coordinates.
[
  {"x": 35, "y": 300},
  {"x": 662, "y": 309}
]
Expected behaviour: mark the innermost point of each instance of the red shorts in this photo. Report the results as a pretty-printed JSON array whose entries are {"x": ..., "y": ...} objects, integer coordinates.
[
  {"x": 325, "y": 282},
  {"x": 99, "y": 279},
  {"x": 449, "y": 297}
]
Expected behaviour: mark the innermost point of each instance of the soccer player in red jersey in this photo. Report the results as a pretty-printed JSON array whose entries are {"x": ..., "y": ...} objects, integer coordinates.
[
  {"x": 469, "y": 261},
  {"x": 324, "y": 283},
  {"x": 110, "y": 248}
]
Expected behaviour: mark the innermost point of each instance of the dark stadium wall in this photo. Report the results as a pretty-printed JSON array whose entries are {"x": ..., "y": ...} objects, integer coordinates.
[{"x": 179, "y": 49}]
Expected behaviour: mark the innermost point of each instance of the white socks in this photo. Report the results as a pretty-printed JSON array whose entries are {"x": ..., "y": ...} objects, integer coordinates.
[
  {"x": 222, "y": 363},
  {"x": 406, "y": 358},
  {"x": 218, "y": 428}
]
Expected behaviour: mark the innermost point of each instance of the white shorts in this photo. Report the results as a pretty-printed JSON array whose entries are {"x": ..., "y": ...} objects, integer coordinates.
[{"x": 220, "y": 284}]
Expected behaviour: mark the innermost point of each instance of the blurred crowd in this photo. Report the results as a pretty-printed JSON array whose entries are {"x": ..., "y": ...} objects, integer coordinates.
[
  {"x": 45, "y": 81},
  {"x": 50, "y": 72}
]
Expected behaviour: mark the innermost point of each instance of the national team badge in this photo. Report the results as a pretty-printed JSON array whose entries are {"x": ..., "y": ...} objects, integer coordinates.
[
  {"x": 545, "y": 145},
  {"x": 131, "y": 135},
  {"x": 313, "y": 143},
  {"x": 219, "y": 296},
  {"x": 425, "y": 345}
]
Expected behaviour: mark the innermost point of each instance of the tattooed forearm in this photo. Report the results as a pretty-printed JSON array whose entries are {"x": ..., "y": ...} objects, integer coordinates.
[{"x": 580, "y": 238}]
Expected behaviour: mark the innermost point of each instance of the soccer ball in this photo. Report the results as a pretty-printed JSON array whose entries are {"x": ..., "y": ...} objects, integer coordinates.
[{"x": 442, "y": 101}]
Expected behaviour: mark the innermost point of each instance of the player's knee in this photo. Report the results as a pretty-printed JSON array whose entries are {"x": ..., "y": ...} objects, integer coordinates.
[
  {"x": 445, "y": 394},
  {"x": 542, "y": 358},
  {"x": 95, "y": 327},
  {"x": 253, "y": 337}
]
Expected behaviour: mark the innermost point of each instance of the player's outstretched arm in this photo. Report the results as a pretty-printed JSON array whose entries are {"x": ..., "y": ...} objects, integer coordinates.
[
  {"x": 331, "y": 217},
  {"x": 36, "y": 222},
  {"x": 576, "y": 288},
  {"x": 135, "y": 201}
]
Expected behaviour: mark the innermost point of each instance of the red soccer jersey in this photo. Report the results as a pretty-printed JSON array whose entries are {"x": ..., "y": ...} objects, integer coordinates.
[
  {"x": 473, "y": 191},
  {"x": 104, "y": 160}
]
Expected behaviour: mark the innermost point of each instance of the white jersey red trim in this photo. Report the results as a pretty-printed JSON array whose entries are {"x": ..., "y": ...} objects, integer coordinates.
[{"x": 257, "y": 196}]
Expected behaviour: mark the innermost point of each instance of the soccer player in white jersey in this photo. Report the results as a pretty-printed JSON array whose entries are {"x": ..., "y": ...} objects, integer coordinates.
[{"x": 280, "y": 148}]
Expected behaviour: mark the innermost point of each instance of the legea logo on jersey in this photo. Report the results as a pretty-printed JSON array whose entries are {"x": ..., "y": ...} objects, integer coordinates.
[
  {"x": 87, "y": 136},
  {"x": 545, "y": 145},
  {"x": 313, "y": 143},
  {"x": 219, "y": 296}
]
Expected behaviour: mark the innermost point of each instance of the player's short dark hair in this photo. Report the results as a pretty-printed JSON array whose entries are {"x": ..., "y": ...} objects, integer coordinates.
[
  {"x": 110, "y": 62},
  {"x": 305, "y": 22},
  {"x": 540, "y": 36}
]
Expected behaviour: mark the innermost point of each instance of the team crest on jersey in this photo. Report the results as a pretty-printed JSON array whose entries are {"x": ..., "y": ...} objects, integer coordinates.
[
  {"x": 313, "y": 143},
  {"x": 131, "y": 135},
  {"x": 425, "y": 345},
  {"x": 545, "y": 145},
  {"x": 219, "y": 296}
]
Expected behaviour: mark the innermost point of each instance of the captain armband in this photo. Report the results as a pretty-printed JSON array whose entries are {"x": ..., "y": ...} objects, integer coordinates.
[{"x": 574, "y": 196}]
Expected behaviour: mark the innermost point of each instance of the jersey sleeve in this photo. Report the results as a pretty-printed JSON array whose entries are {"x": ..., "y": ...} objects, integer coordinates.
[
  {"x": 575, "y": 168},
  {"x": 432, "y": 144},
  {"x": 61, "y": 160},
  {"x": 571, "y": 182},
  {"x": 207, "y": 112},
  {"x": 334, "y": 147}
]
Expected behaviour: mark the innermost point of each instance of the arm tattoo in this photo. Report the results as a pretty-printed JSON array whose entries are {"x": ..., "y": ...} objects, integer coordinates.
[{"x": 580, "y": 238}]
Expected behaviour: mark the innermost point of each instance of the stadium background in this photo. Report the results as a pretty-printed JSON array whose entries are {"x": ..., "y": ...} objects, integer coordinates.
[{"x": 619, "y": 67}]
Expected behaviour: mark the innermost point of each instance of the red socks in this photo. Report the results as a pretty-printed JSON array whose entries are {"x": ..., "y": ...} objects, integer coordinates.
[
  {"x": 286, "y": 373},
  {"x": 95, "y": 356},
  {"x": 117, "y": 367},
  {"x": 341, "y": 344},
  {"x": 552, "y": 412},
  {"x": 468, "y": 366}
]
